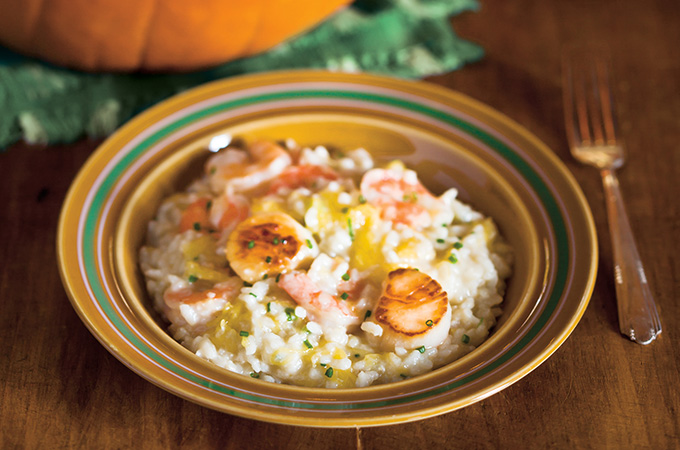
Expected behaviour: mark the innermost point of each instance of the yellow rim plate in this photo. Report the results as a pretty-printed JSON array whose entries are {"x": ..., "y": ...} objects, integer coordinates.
[{"x": 452, "y": 140}]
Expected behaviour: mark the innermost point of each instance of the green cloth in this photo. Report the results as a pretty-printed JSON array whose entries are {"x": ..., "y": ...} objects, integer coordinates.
[{"x": 41, "y": 103}]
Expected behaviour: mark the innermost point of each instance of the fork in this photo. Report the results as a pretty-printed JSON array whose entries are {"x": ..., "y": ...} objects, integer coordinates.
[{"x": 593, "y": 140}]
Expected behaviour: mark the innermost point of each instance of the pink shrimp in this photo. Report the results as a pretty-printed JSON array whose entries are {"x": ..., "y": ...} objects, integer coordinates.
[
  {"x": 400, "y": 196},
  {"x": 321, "y": 306},
  {"x": 241, "y": 171},
  {"x": 219, "y": 214},
  {"x": 305, "y": 175},
  {"x": 195, "y": 308}
]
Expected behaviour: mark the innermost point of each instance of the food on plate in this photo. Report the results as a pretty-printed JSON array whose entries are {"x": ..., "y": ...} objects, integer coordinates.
[{"x": 314, "y": 267}]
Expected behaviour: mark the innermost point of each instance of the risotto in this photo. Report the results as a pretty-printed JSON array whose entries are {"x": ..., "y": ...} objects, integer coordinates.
[{"x": 316, "y": 268}]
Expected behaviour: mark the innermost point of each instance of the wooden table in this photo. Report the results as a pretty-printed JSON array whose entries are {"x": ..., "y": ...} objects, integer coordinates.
[{"x": 60, "y": 388}]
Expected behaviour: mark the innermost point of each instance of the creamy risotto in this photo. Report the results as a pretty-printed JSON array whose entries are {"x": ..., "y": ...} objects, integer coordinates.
[{"x": 316, "y": 268}]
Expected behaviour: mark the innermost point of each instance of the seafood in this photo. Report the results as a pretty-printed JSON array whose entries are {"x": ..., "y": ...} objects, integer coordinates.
[
  {"x": 188, "y": 306},
  {"x": 401, "y": 197},
  {"x": 240, "y": 171},
  {"x": 413, "y": 311},
  {"x": 269, "y": 244}
]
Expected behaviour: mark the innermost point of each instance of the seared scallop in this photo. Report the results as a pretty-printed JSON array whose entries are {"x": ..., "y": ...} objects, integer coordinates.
[
  {"x": 413, "y": 312},
  {"x": 269, "y": 244}
]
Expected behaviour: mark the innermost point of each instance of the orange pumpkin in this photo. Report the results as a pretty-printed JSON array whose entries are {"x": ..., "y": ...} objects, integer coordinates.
[{"x": 127, "y": 35}]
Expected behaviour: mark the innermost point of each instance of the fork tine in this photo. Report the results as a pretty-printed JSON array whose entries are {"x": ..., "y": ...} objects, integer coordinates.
[
  {"x": 569, "y": 101},
  {"x": 606, "y": 101}
]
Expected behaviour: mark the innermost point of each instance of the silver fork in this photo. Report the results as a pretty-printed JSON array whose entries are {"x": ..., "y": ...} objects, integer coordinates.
[{"x": 590, "y": 123}]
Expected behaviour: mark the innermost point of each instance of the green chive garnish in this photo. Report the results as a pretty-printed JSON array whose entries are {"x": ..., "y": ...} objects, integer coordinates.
[
  {"x": 345, "y": 276},
  {"x": 309, "y": 244},
  {"x": 251, "y": 244},
  {"x": 308, "y": 344},
  {"x": 429, "y": 323},
  {"x": 344, "y": 295},
  {"x": 278, "y": 277},
  {"x": 421, "y": 349},
  {"x": 350, "y": 229},
  {"x": 403, "y": 375},
  {"x": 269, "y": 306},
  {"x": 329, "y": 372},
  {"x": 246, "y": 284},
  {"x": 197, "y": 226},
  {"x": 453, "y": 259},
  {"x": 345, "y": 210},
  {"x": 254, "y": 295},
  {"x": 367, "y": 315},
  {"x": 266, "y": 275},
  {"x": 244, "y": 333},
  {"x": 254, "y": 375},
  {"x": 480, "y": 321},
  {"x": 208, "y": 205},
  {"x": 356, "y": 355},
  {"x": 466, "y": 339},
  {"x": 458, "y": 245},
  {"x": 276, "y": 241},
  {"x": 290, "y": 314},
  {"x": 441, "y": 241},
  {"x": 323, "y": 364},
  {"x": 268, "y": 259},
  {"x": 193, "y": 278},
  {"x": 362, "y": 199}
]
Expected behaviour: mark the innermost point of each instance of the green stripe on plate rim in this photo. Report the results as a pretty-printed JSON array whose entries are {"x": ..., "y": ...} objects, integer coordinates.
[{"x": 505, "y": 151}]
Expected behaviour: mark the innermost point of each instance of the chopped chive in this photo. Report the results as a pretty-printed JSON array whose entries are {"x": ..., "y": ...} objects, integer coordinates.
[
  {"x": 308, "y": 344},
  {"x": 480, "y": 321},
  {"x": 213, "y": 169},
  {"x": 356, "y": 355},
  {"x": 345, "y": 210},
  {"x": 268, "y": 259},
  {"x": 254, "y": 295},
  {"x": 441, "y": 241},
  {"x": 367, "y": 315},
  {"x": 350, "y": 229},
  {"x": 345, "y": 276},
  {"x": 429, "y": 323},
  {"x": 197, "y": 226},
  {"x": 254, "y": 375},
  {"x": 444, "y": 225},
  {"x": 276, "y": 241},
  {"x": 466, "y": 339},
  {"x": 269, "y": 306},
  {"x": 329, "y": 372},
  {"x": 246, "y": 284},
  {"x": 362, "y": 199},
  {"x": 403, "y": 375},
  {"x": 453, "y": 259},
  {"x": 251, "y": 244},
  {"x": 266, "y": 275},
  {"x": 344, "y": 295},
  {"x": 290, "y": 314},
  {"x": 323, "y": 364},
  {"x": 193, "y": 278},
  {"x": 278, "y": 277},
  {"x": 244, "y": 333},
  {"x": 309, "y": 244},
  {"x": 421, "y": 349},
  {"x": 208, "y": 205},
  {"x": 458, "y": 245}
]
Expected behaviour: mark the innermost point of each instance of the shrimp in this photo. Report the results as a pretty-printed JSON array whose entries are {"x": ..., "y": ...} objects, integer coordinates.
[
  {"x": 195, "y": 308},
  {"x": 400, "y": 196},
  {"x": 219, "y": 214},
  {"x": 243, "y": 171},
  {"x": 413, "y": 311},
  {"x": 321, "y": 306},
  {"x": 306, "y": 175},
  {"x": 269, "y": 244}
]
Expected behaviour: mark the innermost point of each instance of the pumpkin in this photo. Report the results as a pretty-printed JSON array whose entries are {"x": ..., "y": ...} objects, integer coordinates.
[{"x": 153, "y": 35}]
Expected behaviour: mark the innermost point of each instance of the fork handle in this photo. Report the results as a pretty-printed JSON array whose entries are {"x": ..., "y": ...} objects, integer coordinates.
[{"x": 638, "y": 317}]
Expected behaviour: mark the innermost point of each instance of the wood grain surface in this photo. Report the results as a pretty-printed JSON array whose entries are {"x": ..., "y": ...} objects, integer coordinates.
[{"x": 59, "y": 388}]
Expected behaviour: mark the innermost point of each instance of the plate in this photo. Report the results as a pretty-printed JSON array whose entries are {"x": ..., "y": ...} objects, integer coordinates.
[{"x": 451, "y": 140}]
